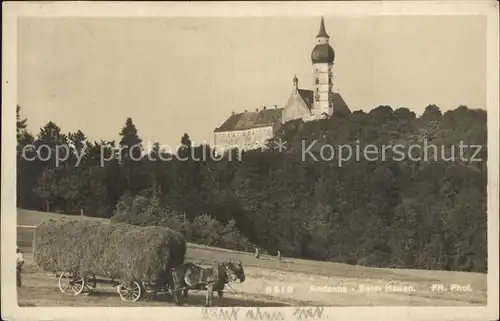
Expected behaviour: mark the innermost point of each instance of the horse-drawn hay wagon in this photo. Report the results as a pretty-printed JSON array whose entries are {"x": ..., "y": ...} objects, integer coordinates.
[{"x": 133, "y": 259}]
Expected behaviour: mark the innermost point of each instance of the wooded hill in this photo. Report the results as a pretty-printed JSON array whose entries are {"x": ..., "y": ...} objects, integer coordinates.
[{"x": 392, "y": 212}]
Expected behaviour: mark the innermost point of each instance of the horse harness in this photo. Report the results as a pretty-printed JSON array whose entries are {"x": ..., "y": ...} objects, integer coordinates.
[{"x": 204, "y": 276}]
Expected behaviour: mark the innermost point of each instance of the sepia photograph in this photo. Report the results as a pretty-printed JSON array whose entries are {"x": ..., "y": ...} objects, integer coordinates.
[{"x": 250, "y": 161}]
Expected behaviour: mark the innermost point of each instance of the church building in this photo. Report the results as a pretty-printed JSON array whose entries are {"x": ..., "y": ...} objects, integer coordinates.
[{"x": 250, "y": 130}]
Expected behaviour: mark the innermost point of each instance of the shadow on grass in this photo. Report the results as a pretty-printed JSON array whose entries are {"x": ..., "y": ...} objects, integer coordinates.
[{"x": 197, "y": 300}]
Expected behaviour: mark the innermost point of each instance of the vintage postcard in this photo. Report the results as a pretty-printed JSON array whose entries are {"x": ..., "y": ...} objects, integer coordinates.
[{"x": 250, "y": 160}]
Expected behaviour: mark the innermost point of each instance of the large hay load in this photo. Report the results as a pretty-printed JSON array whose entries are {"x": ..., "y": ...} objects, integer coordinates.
[{"x": 119, "y": 251}]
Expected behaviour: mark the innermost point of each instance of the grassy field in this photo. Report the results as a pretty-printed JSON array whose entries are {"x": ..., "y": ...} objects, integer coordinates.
[{"x": 269, "y": 282}]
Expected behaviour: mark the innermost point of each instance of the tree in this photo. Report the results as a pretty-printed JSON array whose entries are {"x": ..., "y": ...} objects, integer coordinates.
[
  {"x": 28, "y": 166},
  {"x": 155, "y": 168},
  {"x": 131, "y": 154},
  {"x": 130, "y": 143},
  {"x": 432, "y": 112},
  {"x": 49, "y": 140},
  {"x": 70, "y": 189},
  {"x": 21, "y": 123},
  {"x": 184, "y": 150},
  {"x": 78, "y": 141}
]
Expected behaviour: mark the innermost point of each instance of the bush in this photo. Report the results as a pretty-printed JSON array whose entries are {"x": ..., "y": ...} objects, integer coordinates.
[{"x": 204, "y": 229}]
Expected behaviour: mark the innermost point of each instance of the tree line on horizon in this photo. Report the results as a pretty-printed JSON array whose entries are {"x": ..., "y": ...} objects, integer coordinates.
[{"x": 425, "y": 214}]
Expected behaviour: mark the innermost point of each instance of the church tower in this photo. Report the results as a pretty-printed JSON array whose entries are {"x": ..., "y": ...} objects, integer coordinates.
[{"x": 322, "y": 58}]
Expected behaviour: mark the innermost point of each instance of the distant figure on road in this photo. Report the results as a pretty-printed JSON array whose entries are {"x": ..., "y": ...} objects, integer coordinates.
[
  {"x": 279, "y": 255},
  {"x": 257, "y": 254},
  {"x": 19, "y": 265}
]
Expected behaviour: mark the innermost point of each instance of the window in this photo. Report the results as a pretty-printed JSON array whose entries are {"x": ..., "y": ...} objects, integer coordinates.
[
  {"x": 330, "y": 79},
  {"x": 317, "y": 81}
]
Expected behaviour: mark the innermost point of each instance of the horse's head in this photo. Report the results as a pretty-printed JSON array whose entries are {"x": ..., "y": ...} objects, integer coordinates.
[{"x": 234, "y": 271}]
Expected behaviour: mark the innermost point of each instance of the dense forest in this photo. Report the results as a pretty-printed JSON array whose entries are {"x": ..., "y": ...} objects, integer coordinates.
[{"x": 395, "y": 212}]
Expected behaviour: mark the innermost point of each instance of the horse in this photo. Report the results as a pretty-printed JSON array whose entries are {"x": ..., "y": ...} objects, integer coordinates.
[{"x": 191, "y": 276}]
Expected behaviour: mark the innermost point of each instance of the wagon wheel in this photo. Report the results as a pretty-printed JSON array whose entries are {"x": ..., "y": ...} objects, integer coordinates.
[
  {"x": 129, "y": 291},
  {"x": 71, "y": 284}
]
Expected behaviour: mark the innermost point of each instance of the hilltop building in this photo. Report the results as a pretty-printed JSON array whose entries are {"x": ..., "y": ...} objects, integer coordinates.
[{"x": 250, "y": 130}]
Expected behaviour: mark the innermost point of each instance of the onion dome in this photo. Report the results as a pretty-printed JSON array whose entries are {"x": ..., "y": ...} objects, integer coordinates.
[{"x": 322, "y": 52}]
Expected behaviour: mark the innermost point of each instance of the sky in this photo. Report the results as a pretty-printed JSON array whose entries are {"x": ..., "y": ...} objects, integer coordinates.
[{"x": 176, "y": 75}]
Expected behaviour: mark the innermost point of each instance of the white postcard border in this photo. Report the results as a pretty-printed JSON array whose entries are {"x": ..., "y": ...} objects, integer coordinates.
[{"x": 13, "y": 10}]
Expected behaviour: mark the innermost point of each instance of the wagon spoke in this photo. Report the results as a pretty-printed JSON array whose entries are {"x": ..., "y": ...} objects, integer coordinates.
[
  {"x": 76, "y": 285},
  {"x": 64, "y": 282},
  {"x": 90, "y": 284},
  {"x": 65, "y": 287}
]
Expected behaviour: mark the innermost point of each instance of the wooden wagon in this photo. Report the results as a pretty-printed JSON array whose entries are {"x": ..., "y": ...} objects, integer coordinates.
[{"x": 131, "y": 291}]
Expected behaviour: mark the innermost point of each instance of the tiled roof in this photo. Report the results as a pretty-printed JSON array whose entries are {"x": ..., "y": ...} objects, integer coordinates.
[
  {"x": 307, "y": 96},
  {"x": 248, "y": 120},
  {"x": 339, "y": 105}
]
